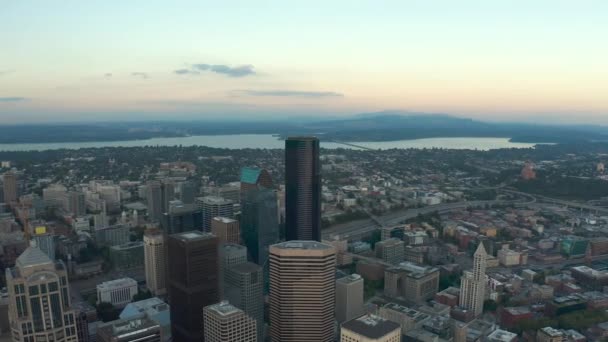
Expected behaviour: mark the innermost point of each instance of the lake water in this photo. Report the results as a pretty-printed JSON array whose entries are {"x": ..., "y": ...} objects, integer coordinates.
[{"x": 269, "y": 141}]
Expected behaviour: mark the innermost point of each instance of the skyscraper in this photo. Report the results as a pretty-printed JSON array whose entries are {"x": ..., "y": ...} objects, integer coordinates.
[
  {"x": 254, "y": 178},
  {"x": 349, "y": 298},
  {"x": 10, "y": 187},
  {"x": 155, "y": 201},
  {"x": 181, "y": 218},
  {"x": 259, "y": 223},
  {"x": 226, "y": 229},
  {"x": 155, "y": 262},
  {"x": 193, "y": 282},
  {"x": 473, "y": 283},
  {"x": 244, "y": 288},
  {"x": 302, "y": 189},
  {"x": 39, "y": 308},
  {"x": 302, "y": 291},
  {"x": 214, "y": 206},
  {"x": 224, "y": 322},
  {"x": 167, "y": 193}
]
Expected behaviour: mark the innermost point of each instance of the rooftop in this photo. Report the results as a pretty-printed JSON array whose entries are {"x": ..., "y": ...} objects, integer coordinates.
[
  {"x": 33, "y": 256},
  {"x": 414, "y": 314},
  {"x": 122, "y": 282},
  {"x": 501, "y": 335},
  {"x": 552, "y": 332},
  {"x": 193, "y": 235},
  {"x": 350, "y": 279},
  {"x": 214, "y": 200},
  {"x": 371, "y": 326},
  {"x": 246, "y": 267},
  {"x": 299, "y": 244},
  {"x": 224, "y": 219},
  {"x": 250, "y": 175},
  {"x": 224, "y": 308}
]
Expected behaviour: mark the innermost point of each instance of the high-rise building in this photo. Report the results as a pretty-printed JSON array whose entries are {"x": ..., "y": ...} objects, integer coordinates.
[
  {"x": 181, "y": 218},
  {"x": 155, "y": 201},
  {"x": 370, "y": 328},
  {"x": 127, "y": 256},
  {"x": 118, "y": 234},
  {"x": 302, "y": 189},
  {"x": 230, "y": 254},
  {"x": 167, "y": 194},
  {"x": 302, "y": 291},
  {"x": 141, "y": 329},
  {"x": 193, "y": 282},
  {"x": 10, "y": 187},
  {"x": 188, "y": 192},
  {"x": 74, "y": 203},
  {"x": 259, "y": 223},
  {"x": 45, "y": 241},
  {"x": 225, "y": 322},
  {"x": 214, "y": 206},
  {"x": 39, "y": 308},
  {"x": 244, "y": 287},
  {"x": 254, "y": 178},
  {"x": 226, "y": 229},
  {"x": 349, "y": 298},
  {"x": 473, "y": 283},
  {"x": 155, "y": 262}
]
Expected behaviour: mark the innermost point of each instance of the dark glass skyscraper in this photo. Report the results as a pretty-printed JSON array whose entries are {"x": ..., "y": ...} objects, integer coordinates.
[
  {"x": 259, "y": 223},
  {"x": 193, "y": 282},
  {"x": 302, "y": 189}
]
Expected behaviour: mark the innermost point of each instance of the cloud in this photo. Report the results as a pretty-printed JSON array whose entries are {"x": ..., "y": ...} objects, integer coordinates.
[
  {"x": 143, "y": 75},
  {"x": 13, "y": 99},
  {"x": 237, "y": 71},
  {"x": 290, "y": 93},
  {"x": 186, "y": 72},
  {"x": 107, "y": 75},
  {"x": 5, "y": 72}
]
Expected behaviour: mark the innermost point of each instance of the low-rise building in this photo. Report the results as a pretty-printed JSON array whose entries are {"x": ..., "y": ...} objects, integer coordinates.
[
  {"x": 370, "y": 328},
  {"x": 407, "y": 318},
  {"x": 118, "y": 292},
  {"x": 127, "y": 330}
]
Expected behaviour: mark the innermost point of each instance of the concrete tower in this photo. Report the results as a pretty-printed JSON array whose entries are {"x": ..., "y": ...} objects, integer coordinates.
[{"x": 473, "y": 284}]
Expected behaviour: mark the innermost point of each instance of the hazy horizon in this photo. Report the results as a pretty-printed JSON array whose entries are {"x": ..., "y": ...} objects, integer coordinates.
[{"x": 518, "y": 61}]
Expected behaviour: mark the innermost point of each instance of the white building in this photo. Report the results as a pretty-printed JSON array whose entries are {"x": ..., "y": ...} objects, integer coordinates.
[
  {"x": 118, "y": 292},
  {"x": 370, "y": 328},
  {"x": 224, "y": 322},
  {"x": 473, "y": 283},
  {"x": 155, "y": 262}
]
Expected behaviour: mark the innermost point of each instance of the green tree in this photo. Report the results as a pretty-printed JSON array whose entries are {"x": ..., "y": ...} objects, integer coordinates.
[
  {"x": 490, "y": 306},
  {"x": 141, "y": 295},
  {"x": 107, "y": 312}
]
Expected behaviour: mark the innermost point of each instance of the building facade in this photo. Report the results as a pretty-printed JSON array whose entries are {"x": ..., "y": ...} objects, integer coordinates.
[
  {"x": 302, "y": 291},
  {"x": 259, "y": 223},
  {"x": 155, "y": 262},
  {"x": 214, "y": 206},
  {"x": 370, "y": 328},
  {"x": 39, "y": 294},
  {"x": 244, "y": 288},
  {"x": 225, "y": 322},
  {"x": 193, "y": 282},
  {"x": 226, "y": 229},
  {"x": 302, "y": 189},
  {"x": 349, "y": 298},
  {"x": 140, "y": 329},
  {"x": 473, "y": 283},
  {"x": 118, "y": 292}
]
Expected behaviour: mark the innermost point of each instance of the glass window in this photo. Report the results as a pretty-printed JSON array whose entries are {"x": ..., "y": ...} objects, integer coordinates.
[
  {"x": 42, "y": 288},
  {"x": 33, "y": 290},
  {"x": 53, "y": 287}
]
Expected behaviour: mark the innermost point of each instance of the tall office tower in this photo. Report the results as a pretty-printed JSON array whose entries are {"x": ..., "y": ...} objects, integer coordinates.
[
  {"x": 39, "y": 308},
  {"x": 74, "y": 202},
  {"x": 302, "y": 189},
  {"x": 259, "y": 223},
  {"x": 302, "y": 291},
  {"x": 193, "y": 282},
  {"x": 226, "y": 229},
  {"x": 244, "y": 287},
  {"x": 155, "y": 262},
  {"x": 188, "y": 192},
  {"x": 254, "y": 178},
  {"x": 141, "y": 329},
  {"x": 181, "y": 218},
  {"x": 349, "y": 298},
  {"x": 167, "y": 193},
  {"x": 224, "y": 322},
  {"x": 10, "y": 187},
  {"x": 370, "y": 328},
  {"x": 214, "y": 206},
  {"x": 230, "y": 254},
  {"x": 473, "y": 284},
  {"x": 155, "y": 201},
  {"x": 46, "y": 242}
]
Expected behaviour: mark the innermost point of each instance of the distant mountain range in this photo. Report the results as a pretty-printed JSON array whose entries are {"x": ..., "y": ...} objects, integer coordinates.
[{"x": 380, "y": 126}]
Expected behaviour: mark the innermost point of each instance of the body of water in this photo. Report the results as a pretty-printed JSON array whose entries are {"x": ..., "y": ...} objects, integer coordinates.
[{"x": 268, "y": 141}]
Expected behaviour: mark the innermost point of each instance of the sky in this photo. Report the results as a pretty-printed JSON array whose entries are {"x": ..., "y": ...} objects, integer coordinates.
[{"x": 498, "y": 60}]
